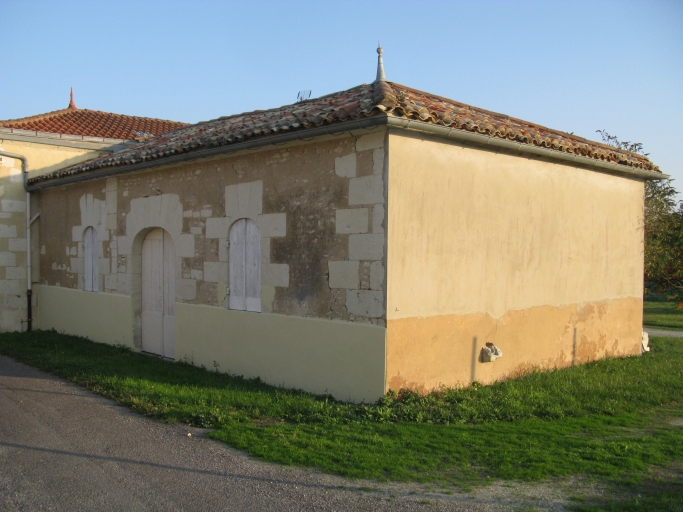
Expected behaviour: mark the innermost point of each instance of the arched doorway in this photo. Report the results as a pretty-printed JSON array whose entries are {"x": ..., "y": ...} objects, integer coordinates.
[{"x": 158, "y": 294}]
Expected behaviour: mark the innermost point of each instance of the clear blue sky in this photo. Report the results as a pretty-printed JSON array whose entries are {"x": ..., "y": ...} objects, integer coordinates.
[{"x": 576, "y": 66}]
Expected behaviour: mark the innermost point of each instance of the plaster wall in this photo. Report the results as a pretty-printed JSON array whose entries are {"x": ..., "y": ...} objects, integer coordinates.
[
  {"x": 102, "y": 317},
  {"x": 544, "y": 260},
  {"x": 42, "y": 158},
  {"x": 344, "y": 359}
]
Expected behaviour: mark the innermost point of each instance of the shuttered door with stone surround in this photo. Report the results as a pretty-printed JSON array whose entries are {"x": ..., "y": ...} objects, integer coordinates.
[
  {"x": 158, "y": 294},
  {"x": 245, "y": 266},
  {"x": 91, "y": 270}
]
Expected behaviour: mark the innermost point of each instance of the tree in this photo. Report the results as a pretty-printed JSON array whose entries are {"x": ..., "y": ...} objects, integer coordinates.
[{"x": 663, "y": 224}]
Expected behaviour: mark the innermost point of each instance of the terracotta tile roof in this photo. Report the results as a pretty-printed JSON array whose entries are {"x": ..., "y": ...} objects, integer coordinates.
[
  {"x": 93, "y": 123},
  {"x": 377, "y": 99}
]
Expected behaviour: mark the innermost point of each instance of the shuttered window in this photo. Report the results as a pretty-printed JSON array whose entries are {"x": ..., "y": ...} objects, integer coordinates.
[
  {"x": 245, "y": 266},
  {"x": 91, "y": 267}
]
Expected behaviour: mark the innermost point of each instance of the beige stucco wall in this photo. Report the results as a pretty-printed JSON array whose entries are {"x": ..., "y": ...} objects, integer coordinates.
[
  {"x": 493, "y": 247},
  {"x": 42, "y": 157},
  {"x": 343, "y": 359},
  {"x": 102, "y": 317}
]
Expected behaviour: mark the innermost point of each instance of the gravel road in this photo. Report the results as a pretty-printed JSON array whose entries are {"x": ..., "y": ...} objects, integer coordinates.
[{"x": 65, "y": 448}]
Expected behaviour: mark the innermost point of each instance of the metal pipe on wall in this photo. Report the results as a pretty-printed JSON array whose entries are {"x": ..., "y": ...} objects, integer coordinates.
[{"x": 29, "y": 291}]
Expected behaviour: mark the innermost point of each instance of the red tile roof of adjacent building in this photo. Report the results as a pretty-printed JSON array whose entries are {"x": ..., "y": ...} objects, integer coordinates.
[
  {"x": 381, "y": 98},
  {"x": 93, "y": 123}
]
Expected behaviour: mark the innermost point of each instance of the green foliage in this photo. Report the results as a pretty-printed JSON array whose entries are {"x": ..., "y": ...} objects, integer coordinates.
[{"x": 663, "y": 225}]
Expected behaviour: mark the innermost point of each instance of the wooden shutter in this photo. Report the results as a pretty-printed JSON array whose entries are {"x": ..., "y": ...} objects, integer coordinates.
[
  {"x": 245, "y": 266},
  {"x": 238, "y": 281},
  {"x": 91, "y": 269}
]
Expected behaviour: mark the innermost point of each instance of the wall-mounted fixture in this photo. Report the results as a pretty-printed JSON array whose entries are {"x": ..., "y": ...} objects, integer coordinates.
[{"x": 490, "y": 353}]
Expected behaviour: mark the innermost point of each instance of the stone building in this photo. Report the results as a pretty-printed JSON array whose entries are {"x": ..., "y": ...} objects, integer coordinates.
[
  {"x": 374, "y": 238},
  {"x": 49, "y": 142}
]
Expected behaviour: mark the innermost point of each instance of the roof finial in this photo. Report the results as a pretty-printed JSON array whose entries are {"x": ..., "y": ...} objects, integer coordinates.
[
  {"x": 72, "y": 105},
  {"x": 380, "y": 64}
]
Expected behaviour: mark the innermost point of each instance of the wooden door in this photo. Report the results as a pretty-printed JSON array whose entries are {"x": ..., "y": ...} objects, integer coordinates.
[
  {"x": 158, "y": 294},
  {"x": 245, "y": 266},
  {"x": 92, "y": 276}
]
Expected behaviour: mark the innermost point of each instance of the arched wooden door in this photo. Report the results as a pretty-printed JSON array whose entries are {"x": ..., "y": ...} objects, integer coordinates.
[{"x": 158, "y": 294}]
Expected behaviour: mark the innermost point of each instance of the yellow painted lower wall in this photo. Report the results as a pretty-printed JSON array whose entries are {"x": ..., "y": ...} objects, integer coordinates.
[
  {"x": 424, "y": 353},
  {"x": 343, "y": 359},
  {"x": 102, "y": 317}
]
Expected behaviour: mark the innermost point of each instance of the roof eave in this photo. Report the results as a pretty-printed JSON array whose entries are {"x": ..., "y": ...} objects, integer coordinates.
[{"x": 367, "y": 123}]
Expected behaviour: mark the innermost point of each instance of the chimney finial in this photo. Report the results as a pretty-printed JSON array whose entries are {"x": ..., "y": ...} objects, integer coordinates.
[
  {"x": 72, "y": 105},
  {"x": 380, "y": 64}
]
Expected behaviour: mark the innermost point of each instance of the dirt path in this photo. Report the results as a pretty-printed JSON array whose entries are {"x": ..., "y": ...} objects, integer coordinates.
[{"x": 65, "y": 448}]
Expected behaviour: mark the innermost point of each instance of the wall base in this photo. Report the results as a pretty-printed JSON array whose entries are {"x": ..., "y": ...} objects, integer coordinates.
[{"x": 425, "y": 353}]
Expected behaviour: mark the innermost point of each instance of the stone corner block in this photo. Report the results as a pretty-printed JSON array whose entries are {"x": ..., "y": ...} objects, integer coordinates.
[
  {"x": 345, "y": 166},
  {"x": 344, "y": 274},
  {"x": 217, "y": 227},
  {"x": 244, "y": 200},
  {"x": 214, "y": 271},
  {"x": 367, "y": 303},
  {"x": 370, "y": 141},
  {"x": 376, "y": 275},
  {"x": 185, "y": 246},
  {"x": 275, "y": 274},
  {"x": 351, "y": 221},
  {"x": 272, "y": 224},
  {"x": 366, "y": 247},
  {"x": 366, "y": 190},
  {"x": 186, "y": 289}
]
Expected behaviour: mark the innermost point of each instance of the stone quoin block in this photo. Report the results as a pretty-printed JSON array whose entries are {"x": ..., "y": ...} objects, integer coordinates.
[
  {"x": 15, "y": 273},
  {"x": 378, "y": 161},
  {"x": 8, "y": 231},
  {"x": 272, "y": 224},
  {"x": 185, "y": 246},
  {"x": 366, "y": 190},
  {"x": 275, "y": 274},
  {"x": 215, "y": 271},
  {"x": 13, "y": 287},
  {"x": 17, "y": 244},
  {"x": 370, "y": 141},
  {"x": 13, "y": 206},
  {"x": 217, "y": 227},
  {"x": 352, "y": 221},
  {"x": 244, "y": 200},
  {"x": 77, "y": 265},
  {"x": 366, "y": 247},
  {"x": 186, "y": 289},
  {"x": 376, "y": 275},
  {"x": 365, "y": 303},
  {"x": 344, "y": 274},
  {"x": 378, "y": 218},
  {"x": 345, "y": 166}
]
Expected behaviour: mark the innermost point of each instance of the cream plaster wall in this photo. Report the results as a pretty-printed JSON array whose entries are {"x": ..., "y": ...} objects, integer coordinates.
[
  {"x": 343, "y": 359},
  {"x": 102, "y": 317},
  {"x": 477, "y": 231},
  {"x": 544, "y": 260}
]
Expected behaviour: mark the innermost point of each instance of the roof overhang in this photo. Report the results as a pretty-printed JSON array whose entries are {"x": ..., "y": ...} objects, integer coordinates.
[{"x": 354, "y": 127}]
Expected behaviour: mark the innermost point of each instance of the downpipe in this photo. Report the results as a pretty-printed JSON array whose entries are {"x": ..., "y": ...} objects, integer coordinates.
[{"x": 29, "y": 221}]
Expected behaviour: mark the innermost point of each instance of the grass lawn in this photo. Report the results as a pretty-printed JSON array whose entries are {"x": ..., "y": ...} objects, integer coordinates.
[
  {"x": 616, "y": 420},
  {"x": 663, "y": 315}
]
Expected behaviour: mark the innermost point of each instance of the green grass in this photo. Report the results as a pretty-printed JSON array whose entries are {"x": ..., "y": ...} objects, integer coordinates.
[
  {"x": 663, "y": 315},
  {"x": 609, "y": 419}
]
